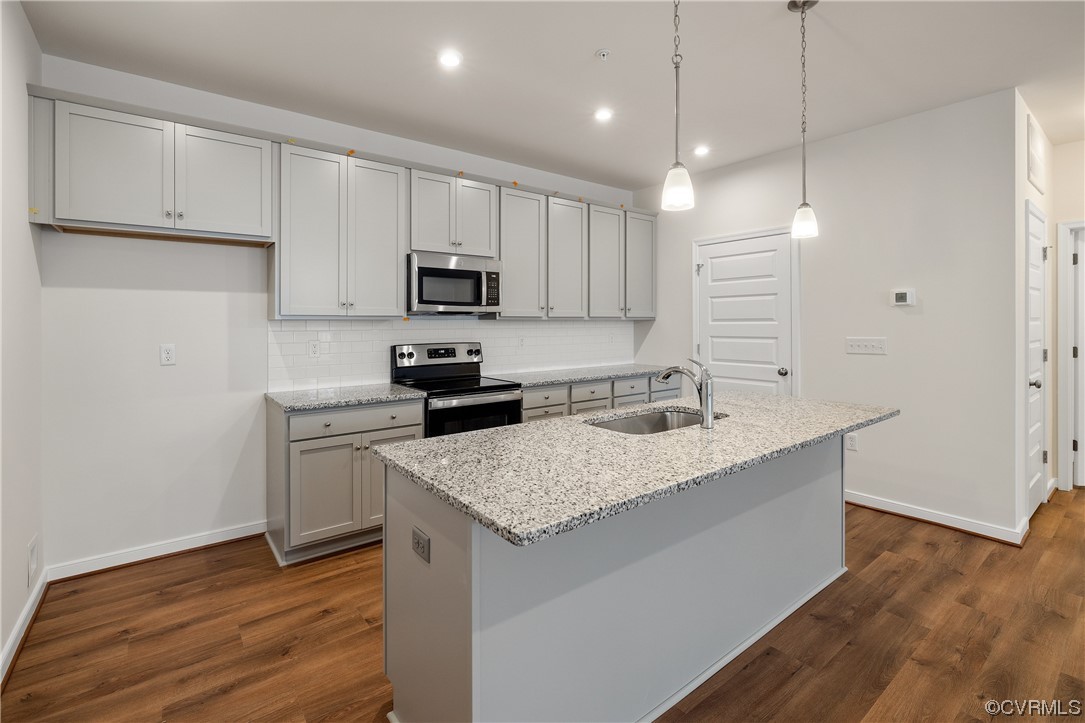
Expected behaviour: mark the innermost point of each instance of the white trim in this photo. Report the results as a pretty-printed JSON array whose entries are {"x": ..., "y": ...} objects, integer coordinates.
[
  {"x": 143, "y": 552},
  {"x": 735, "y": 651},
  {"x": 796, "y": 291},
  {"x": 1065, "y": 393},
  {"x": 1052, "y": 485},
  {"x": 997, "y": 532},
  {"x": 21, "y": 625}
]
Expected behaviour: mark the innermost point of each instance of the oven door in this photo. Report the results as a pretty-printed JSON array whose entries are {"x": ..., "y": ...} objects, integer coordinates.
[{"x": 451, "y": 415}]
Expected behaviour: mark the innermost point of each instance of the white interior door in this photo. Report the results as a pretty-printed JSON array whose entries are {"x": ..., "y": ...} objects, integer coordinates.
[
  {"x": 744, "y": 313},
  {"x": 1035, "y": 424}
]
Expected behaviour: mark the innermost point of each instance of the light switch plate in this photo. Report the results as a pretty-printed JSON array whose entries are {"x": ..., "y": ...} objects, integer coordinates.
[{"x": 866, "y": 345}]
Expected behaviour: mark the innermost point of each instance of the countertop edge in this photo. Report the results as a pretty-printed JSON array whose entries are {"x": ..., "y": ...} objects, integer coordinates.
[
  {"x": 406, "y": 395},
  {"x": 523, "y": 539}
]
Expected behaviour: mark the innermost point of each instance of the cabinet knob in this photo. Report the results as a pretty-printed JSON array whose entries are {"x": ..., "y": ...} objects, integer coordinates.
[
  {"x": 551, "y": 308},
  {"x": 180, "y": 214},
  {"x": 342, "y": 303},
  {"x": 327, "y": 424},
  {"x": 546, "y": 396},
  {"x": 393, "y": 416},
  {"x": 592, "y": 391},
  {"x": 542, "y": 308},
  {"x": 546, "y": 411},
  {"x": 350, "y": 303},
  {"x": 632, "y": 386},
  {"x": 359, "y": 447},
  {"x": 169, "y": 213}
]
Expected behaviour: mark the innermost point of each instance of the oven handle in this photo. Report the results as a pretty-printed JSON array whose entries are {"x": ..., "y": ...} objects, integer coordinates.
[{"x": 471, "y": 400}]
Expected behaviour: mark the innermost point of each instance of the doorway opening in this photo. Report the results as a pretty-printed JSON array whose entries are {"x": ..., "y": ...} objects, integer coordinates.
[{"x": 1071, "y": 331}]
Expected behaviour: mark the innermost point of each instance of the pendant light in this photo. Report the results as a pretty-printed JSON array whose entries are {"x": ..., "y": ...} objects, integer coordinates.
[
  {"x": 805, "y": 224},
  {"x": 678, "y": 188}
]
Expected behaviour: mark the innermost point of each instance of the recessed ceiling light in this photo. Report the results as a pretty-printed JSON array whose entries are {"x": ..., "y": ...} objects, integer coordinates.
[
  {"x": 450, "y": 58},
  {"x": 604, "y": 114},
  {"x": 701, "y": 151}
]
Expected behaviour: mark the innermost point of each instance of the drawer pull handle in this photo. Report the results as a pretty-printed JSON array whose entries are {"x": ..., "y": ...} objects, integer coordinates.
[{"x": 327, "y": 424}]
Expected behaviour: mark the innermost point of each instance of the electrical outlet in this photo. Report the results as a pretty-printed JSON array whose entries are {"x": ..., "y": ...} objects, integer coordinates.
[
  {"x": 314, "y": 350},
  {"x": 866, "y": 345},
  {"x": 167, "y": 355},
  {"x": 31, "y": 560},
  {"x": 851, "y": 442},
  {"x": 420, "y": 543}
]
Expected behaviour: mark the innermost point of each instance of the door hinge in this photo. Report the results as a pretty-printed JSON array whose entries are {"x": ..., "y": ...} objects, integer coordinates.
[
  {"x": 1075, "y": 352},
  {"x": 1045, "y": 354},
  {"x": 1045, "y": 253},
  {"x": 698, "y": 348},
  {"x": 1045, "y": 456},
  {"x": 1075, "y": 259},
  {"x": 1073, "y": 447},
  {"x": 698, "y": 269}
]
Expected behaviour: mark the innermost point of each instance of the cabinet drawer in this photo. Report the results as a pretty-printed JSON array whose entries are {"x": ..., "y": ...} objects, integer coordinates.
[
  {"x": 630, "y": 400},
  {"x": 675, "y": 382},
  {"x": 628, "y": 387},
  {"x": 536, "y": 415},
  {"x": 597, "y": 405},
  {"x": 587, "y": 391},
  {"x": 330, "y": 423},
  {"x": 666, "y": 394},
  {"x": 545, "y": 397}
]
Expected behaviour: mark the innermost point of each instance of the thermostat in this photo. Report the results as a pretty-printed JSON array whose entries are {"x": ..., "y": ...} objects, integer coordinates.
[{"x": 903, "y": 297}]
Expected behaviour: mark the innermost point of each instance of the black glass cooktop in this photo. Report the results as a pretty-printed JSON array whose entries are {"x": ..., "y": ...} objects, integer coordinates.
[{"x": 458, "y": 385}]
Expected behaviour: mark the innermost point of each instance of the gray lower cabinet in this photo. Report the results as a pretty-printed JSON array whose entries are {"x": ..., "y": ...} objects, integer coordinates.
[{"x": 325, "y": 487}]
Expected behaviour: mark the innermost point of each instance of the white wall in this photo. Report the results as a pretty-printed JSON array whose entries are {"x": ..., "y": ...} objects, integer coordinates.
[
  {"x": 1068, "y": 182},
  {"x": 925, "y": 201},
  {"x": 20, "y": 334},
  {"x": 356, "y": 352},
  {"x": 146, "y": 454}
]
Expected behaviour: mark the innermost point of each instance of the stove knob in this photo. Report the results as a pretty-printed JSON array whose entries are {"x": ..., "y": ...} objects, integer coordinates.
[
  {"x": 402, "y": 355},
  {"x": 410, "y": 355}
]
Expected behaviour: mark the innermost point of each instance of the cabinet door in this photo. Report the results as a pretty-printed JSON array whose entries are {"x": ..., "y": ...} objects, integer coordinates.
[
  {"x": 113, "y": 167},
  {"x": 314, "y": 227},
  {"x": 223, "y": 182},
  {"x": 606, "y": 239},
  {"x": 523, "y": 253},
  {"x": 325, "y": 488},
  {"x": 640, "y": 265},
  {"x": 476, "y": 218},
  {"x": 377, "y": 239},
  {"x": 433, "y": 212},
  {"x": 373, "y": 470},
  {"x": 567, "y": 258}
]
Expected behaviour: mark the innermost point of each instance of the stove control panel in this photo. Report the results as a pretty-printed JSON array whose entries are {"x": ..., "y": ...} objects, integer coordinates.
[{"x": 412, "y": 355}]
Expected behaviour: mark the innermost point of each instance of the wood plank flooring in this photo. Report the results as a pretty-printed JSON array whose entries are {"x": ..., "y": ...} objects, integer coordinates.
[{"x": 928, "y": 624}]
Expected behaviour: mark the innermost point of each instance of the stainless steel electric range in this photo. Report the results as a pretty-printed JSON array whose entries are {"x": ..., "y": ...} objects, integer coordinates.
[{"x": 458, "y": 397}]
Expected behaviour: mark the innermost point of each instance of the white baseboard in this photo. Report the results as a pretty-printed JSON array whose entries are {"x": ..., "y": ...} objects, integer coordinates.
[
  {"x": 1052, "y": 485},
  {"x": 144, "y": 552},
  {"x": 731, "y": 654},
  {"x": 997, "y": 532},
  {"x": 12, "y": 643}
]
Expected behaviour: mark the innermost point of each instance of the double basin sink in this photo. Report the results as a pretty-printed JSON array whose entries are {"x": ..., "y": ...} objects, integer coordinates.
[{"x": 652, "y": 422}]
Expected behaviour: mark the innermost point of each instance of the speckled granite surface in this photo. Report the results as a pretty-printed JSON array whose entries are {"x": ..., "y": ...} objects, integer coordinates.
[
  {"x": 578, "y": 374},
  {"x": 528, "y": 482},
  {"x": 342, "y": 397}
]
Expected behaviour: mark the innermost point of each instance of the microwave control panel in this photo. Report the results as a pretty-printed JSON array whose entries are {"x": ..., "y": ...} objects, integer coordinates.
[{"x": 493, "y": 288}]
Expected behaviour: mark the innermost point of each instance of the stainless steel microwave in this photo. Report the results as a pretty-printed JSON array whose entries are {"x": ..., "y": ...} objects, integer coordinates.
[{"x": 451, "y": 284}]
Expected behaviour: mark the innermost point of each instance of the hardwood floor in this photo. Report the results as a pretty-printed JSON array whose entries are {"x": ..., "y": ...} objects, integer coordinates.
[{"x": 928, "y": 624}]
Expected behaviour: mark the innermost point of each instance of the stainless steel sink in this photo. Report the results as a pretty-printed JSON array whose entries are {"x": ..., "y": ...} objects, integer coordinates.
[{"x": 651, "y": 422}]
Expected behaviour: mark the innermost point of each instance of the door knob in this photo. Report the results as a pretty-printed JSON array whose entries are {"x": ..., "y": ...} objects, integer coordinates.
[
  {"x": 1036, "y": 383},
  {"x": 782, "y": 371}
]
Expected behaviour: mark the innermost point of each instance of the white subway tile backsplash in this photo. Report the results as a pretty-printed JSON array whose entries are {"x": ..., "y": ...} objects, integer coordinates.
[{"x": 356, "y": 351}]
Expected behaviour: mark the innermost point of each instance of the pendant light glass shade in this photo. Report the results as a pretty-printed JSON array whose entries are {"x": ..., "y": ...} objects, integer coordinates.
[
  {"x": 677, "y": 189},
  {"x": 805, "y": 224}
]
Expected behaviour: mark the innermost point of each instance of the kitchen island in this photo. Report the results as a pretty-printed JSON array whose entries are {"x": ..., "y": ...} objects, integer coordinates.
[{"x": 562, "y": 571}]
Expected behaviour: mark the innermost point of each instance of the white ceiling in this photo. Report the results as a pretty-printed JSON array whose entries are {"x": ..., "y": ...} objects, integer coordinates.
[{"x": 530, "y": 80}]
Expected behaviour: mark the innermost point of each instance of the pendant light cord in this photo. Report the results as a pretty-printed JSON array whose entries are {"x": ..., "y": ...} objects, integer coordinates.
[
  {"x": 677, "y": 60},
  {"x": 802, "y": 31}
]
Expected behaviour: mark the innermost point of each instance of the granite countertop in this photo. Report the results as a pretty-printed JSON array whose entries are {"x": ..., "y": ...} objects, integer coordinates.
[
  {"x": 577, "y": 374},
  {"x": 312, "y": 399},
  {"x": 528, "y": 482}
]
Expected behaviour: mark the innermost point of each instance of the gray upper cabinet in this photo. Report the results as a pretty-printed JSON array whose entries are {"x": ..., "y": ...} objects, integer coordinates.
[
  {"x": 453, "y": 215},
  {"x": 523, "y": 253},
  {"x": 343, "y": 244},
  {"x": 118, "y": 169},
  {"x": 377, "y": 239},
  {"x": 640, "y": 258},
  {"x": 606, "y": 261},
  {"x": 567, "y": 258},
  {"x": 312, "y": 243}
]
